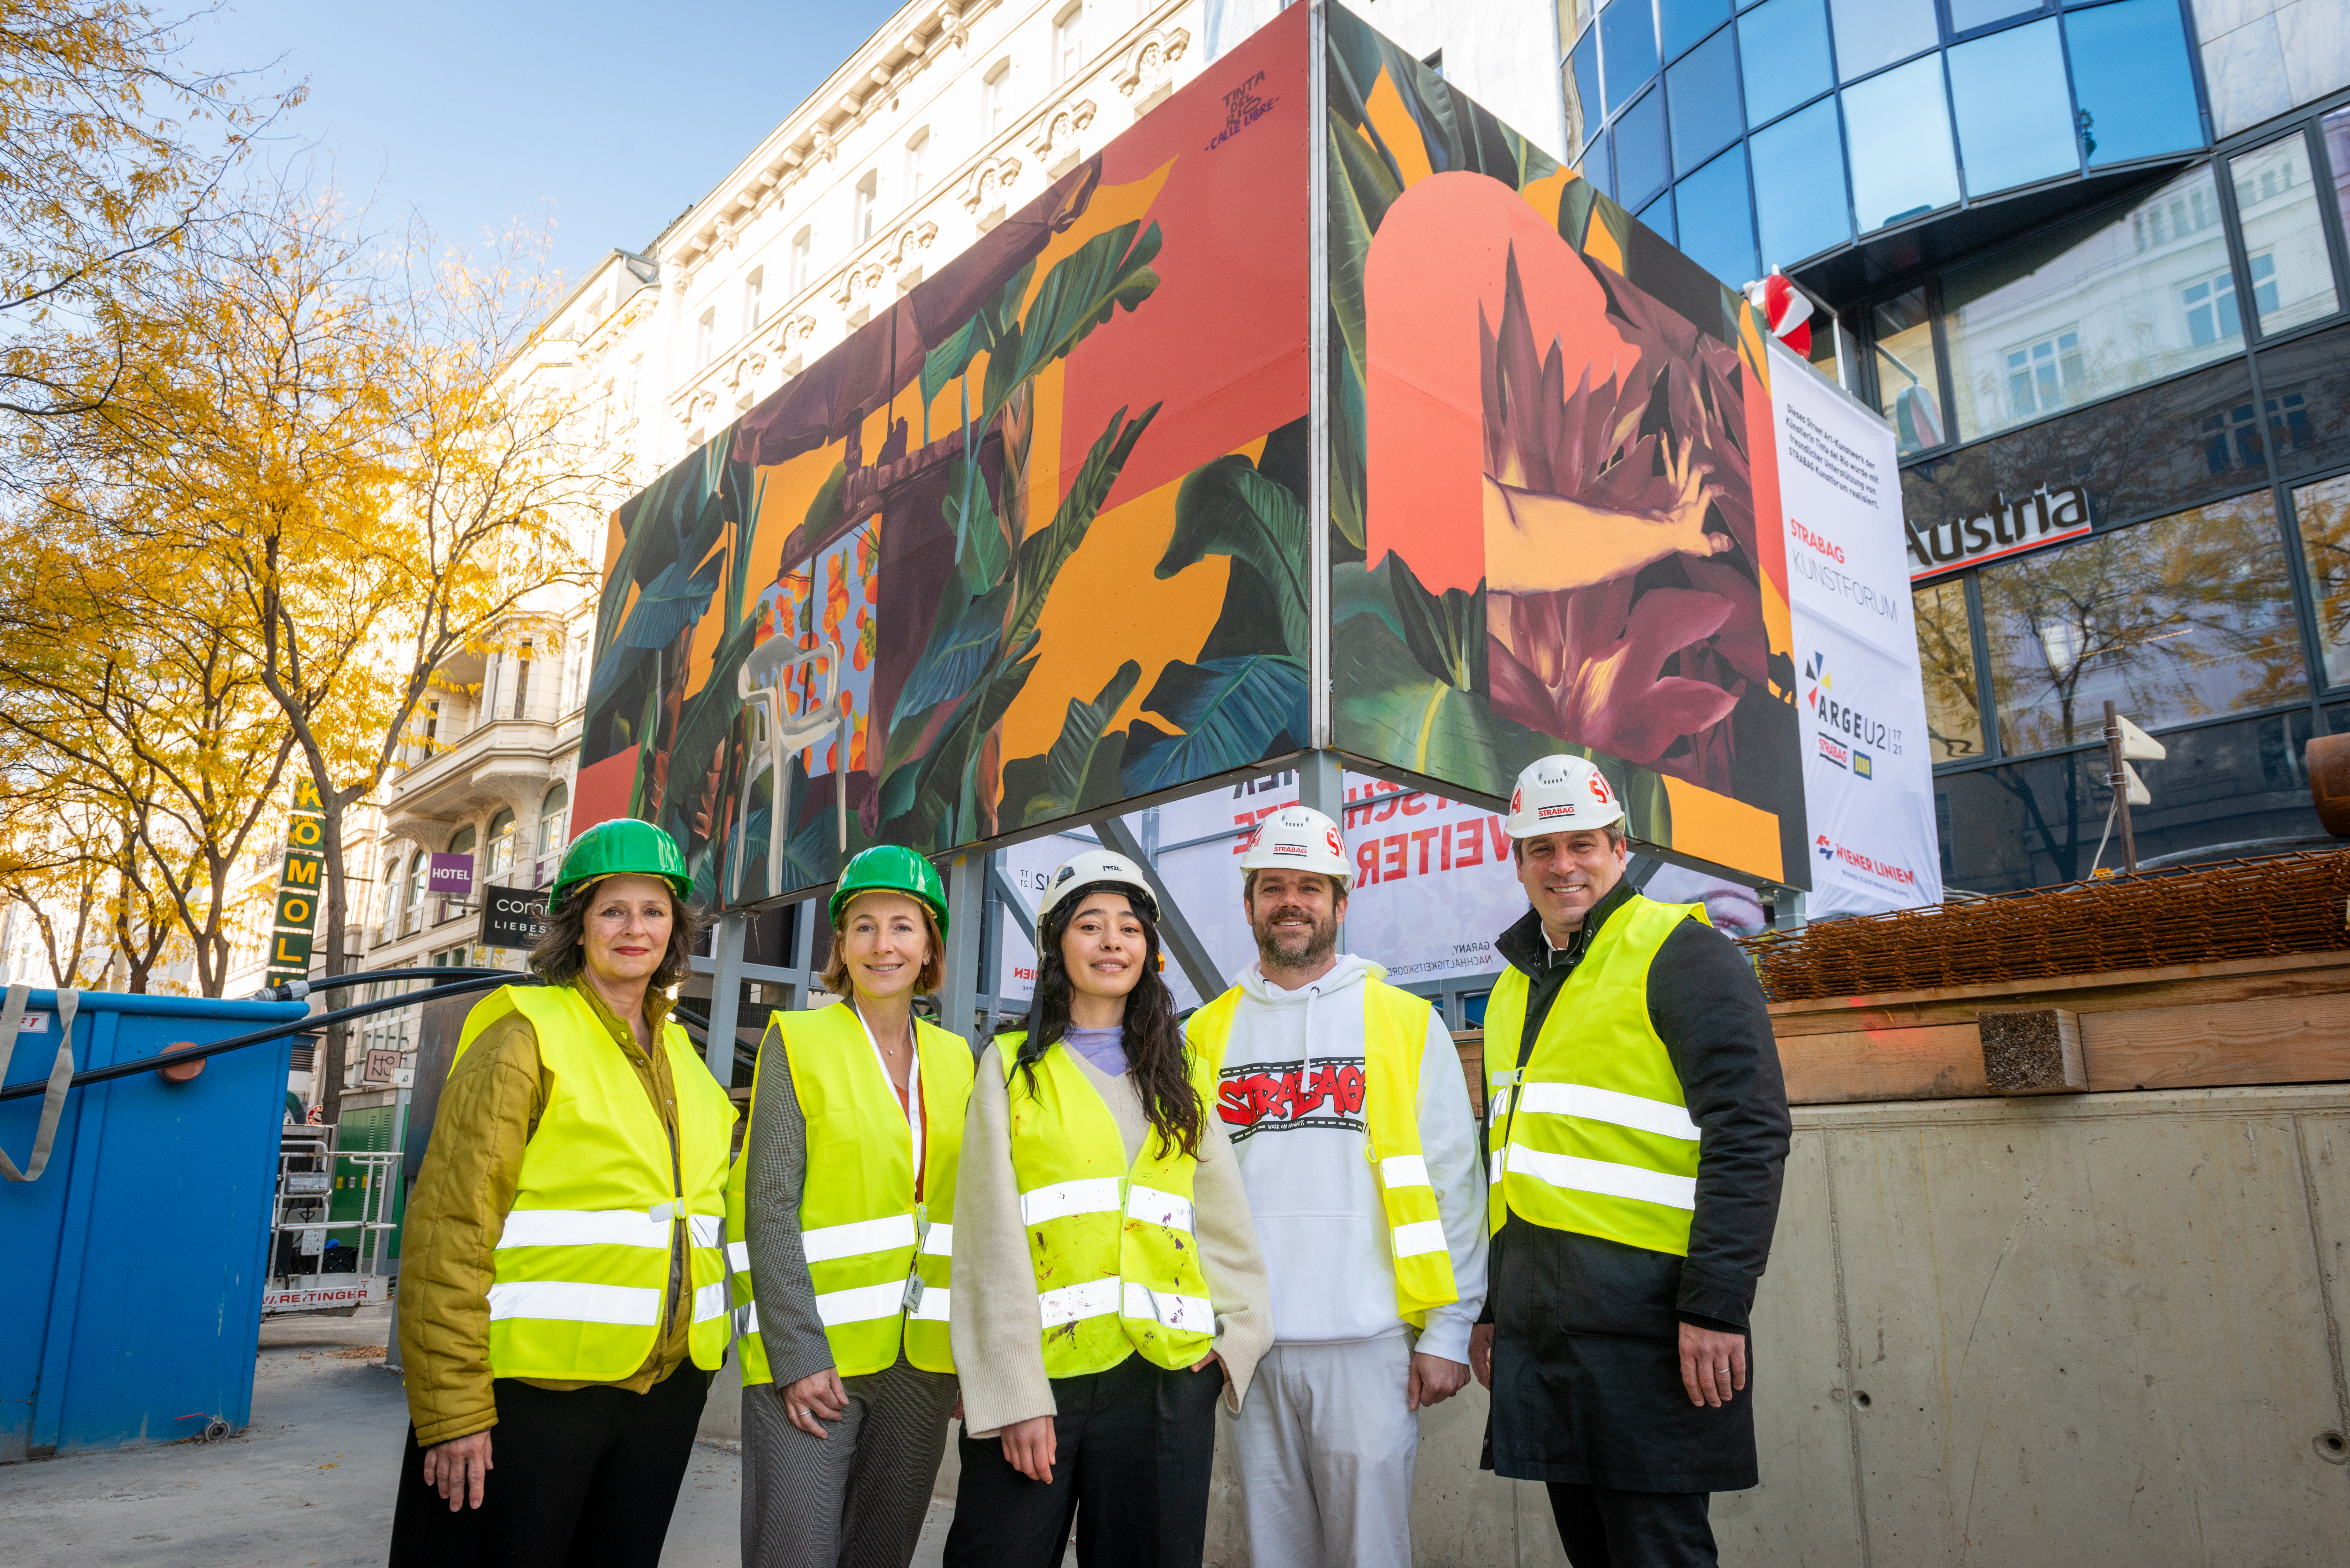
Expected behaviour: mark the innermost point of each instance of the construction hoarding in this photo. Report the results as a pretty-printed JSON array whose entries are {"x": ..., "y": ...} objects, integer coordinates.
[{"x": 1042, "y": 536}]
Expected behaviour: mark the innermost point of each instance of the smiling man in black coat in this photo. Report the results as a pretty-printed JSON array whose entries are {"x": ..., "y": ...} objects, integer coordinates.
[{"x": 1637, "y": 1133}]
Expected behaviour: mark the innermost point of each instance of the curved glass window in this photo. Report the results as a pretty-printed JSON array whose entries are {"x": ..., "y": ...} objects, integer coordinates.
[
  {"x": 1784, "y": 47},
  {"x": 1799, "y": 190},
  {"x": 2285, "y": 237},
  {"x": 2130, "y": 75},
  {"x": 2323, "y": 511},
  {"x": 1909, "y": 386},
  {"x": 1641, "y": 166},
  {"x": 1572, "y": 16},
  {"x": 1628, "y": 42},
  {"x": 2015, "y": 113},
  {"x": 1658, "y": 217},
  {"x": 1681, "y": 23},
  {"x": 2126, "y": 295},
  {"x": 1874, "y": 33},
  {"x": 2181, "y": 618},
  {"x": 1899, "y": 135},
  {"x": 1702, "y": 92},
  {"x": 1715, "y": 231},
  {"x": 1946, "y": 652},
  {"x": 461, "y": 841},
  {"x": 1580, "y": 81},
  {"x": 1968, "y": 15}
]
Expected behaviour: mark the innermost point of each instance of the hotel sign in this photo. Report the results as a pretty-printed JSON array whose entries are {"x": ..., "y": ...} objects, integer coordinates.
[{"x": 2042, "y": 518}]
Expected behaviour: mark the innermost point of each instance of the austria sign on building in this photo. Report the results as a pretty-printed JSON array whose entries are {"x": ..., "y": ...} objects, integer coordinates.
[{"x": 1868, "y": 783}]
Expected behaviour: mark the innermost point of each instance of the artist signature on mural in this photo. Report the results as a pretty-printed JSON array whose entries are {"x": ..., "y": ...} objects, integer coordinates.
[{"x": 1242, "y": 109}]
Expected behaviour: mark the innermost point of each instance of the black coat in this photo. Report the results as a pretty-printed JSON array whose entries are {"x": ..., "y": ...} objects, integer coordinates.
[{"x": 1587, "y": 1355}]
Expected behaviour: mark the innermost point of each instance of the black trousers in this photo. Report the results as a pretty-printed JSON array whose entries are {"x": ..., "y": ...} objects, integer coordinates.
[
  {"x": 1133, "y": 1448},
  {"x": 582, "y": 1478},
  {"x": 1603, "y": 1528}
]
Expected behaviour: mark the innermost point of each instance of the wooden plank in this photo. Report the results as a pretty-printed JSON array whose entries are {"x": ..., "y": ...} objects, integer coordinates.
[
  {"x": 2280, "y": 1040},
  {"x": 2260, "y": 976},
  {"x": 1942, "y": 1062},
  {"x": 2123, "y": 990}
]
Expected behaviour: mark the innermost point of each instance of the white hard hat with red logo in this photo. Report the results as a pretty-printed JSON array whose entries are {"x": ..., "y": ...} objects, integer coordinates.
[
  {"x": 1301, "y": 838},
  {"x": 1561, "y": 795}
]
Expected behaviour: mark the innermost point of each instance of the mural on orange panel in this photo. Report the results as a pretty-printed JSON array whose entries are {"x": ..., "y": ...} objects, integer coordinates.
[
  {"x": 1026, "y": 542},
  {"x": 1554, "y": 521}
]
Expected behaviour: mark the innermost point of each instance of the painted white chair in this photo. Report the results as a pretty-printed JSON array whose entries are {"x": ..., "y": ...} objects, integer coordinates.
[{"x": 760, "y": 683}]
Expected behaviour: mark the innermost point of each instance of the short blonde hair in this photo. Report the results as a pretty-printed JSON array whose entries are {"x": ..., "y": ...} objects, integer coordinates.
[{"x": 835, "y": 978}]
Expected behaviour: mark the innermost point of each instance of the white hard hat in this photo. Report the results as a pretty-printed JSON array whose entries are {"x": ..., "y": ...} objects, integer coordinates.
[
  {"x": 1092, "y": 865},
  {"x": 1301, "y": 838},
  {"x": 1561, "y": 794}
]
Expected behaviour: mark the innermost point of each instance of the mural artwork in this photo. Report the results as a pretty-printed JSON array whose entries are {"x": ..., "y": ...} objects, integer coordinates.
[
  {"x": 1555, "y": 503},
  {"x": 1032, "y": 540}
]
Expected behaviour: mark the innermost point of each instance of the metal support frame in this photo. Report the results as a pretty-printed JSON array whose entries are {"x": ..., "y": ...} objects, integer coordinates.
[
  {"x": 1174, "y": 930},
  {"x": 725, "y": 995},
  {"x": 1322, "y": 786},
  {"x": 966, "y": 877},
  {"x": 1009, "y": 898}
]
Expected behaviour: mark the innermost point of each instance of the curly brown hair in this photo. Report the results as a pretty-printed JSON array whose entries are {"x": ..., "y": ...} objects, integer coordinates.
[{"x": 560, "y": 955}]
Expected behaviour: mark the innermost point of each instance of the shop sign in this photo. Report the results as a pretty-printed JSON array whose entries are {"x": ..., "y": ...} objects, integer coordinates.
[
  {"x": 380, "y": 1067},
  {"x": 451, "y": 876},
  {"x": 513, "y": 917},
  {"x": 2042, "y": 518}
]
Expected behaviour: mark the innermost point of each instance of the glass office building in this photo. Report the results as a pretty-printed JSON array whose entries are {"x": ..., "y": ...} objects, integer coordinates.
[{"x": 2075, "y": 304}]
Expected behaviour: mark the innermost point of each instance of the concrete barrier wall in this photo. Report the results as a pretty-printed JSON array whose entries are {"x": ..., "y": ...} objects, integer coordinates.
[{"x": 2069, "y": 1331}]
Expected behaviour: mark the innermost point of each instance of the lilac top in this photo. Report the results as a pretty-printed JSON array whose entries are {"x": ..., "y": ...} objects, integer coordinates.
[{"x": 1104, "y": 1048}]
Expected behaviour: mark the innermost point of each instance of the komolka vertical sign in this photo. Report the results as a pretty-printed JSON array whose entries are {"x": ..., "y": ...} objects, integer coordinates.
[{"x": 300, "y": 887}]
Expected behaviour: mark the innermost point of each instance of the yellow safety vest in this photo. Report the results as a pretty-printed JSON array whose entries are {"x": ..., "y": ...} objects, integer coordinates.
[
  {"x": 1395, "y": 1039},
  {"x": 878, "y": 1259},
  {"x": 1594, "y": 1136},
  {"x": 1115, "y": 1256},
  {"x": 581, "y": 1268}
]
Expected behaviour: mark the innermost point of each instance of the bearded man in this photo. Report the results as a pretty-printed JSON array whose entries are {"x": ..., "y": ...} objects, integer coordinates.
[{"x": 1348, "y": 1112}]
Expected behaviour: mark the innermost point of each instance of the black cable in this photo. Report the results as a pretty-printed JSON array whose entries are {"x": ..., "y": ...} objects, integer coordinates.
[
  {"x": 275, "y": 1032},
  {"x": 296, "y": 989}
]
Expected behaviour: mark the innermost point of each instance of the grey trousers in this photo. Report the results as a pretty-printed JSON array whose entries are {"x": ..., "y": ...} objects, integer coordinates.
[{"x": 856, "y": 1498}]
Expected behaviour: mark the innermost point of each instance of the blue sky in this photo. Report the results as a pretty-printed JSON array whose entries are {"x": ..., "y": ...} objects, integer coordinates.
[{"x": 606, "y": 120}]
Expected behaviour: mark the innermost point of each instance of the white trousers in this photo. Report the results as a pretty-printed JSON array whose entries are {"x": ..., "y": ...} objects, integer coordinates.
[{"x": 1326, "y": 1449}]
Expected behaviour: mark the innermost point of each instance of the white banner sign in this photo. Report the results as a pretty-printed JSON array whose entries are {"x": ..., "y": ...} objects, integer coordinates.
[
  {"x": 1433, "y": 881},
  {"x": 1868, "y": 776}
]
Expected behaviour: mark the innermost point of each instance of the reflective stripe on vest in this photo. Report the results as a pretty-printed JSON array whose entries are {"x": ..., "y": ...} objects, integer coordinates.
[
  {"x": 581, "y": 1267},
  {"x": 1123, "y": 1239},
  {"x": 878, "y": 1261},
  {"x": 1395, "y": 1041},
  {"x": 1594, "y": 1136}
]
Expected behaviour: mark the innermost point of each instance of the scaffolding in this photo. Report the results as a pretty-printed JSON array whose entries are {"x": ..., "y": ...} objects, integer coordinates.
[{"x": 304, "y": 1232}]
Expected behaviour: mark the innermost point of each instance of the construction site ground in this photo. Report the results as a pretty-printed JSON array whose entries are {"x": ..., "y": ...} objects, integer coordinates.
[{"x": 308, "y": 1484}]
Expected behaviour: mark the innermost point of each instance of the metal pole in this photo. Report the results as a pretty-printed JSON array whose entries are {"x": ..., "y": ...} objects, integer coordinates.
[
  {"x": 1174, "y": 930},
  {"x": 1322, "y": 785},
  {"x": 2119, "y": 782},
  {"x": 958, "y": 994},
  {"x": 725, "y": 996}
]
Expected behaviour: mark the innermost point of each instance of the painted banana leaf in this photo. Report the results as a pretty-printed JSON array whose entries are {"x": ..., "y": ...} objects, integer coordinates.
[
  {"x": 1228, "y": 508},
  {"x": 1082, "y": 768},
  {"x": 1231, "y": 712}
]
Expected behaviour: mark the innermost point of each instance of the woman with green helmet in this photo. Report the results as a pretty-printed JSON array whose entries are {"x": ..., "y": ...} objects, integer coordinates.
[
  {"x": 1106, "y": 1265},
  {"x": 841, "y": 1225},
  {"x": 563, "y": 1297}
]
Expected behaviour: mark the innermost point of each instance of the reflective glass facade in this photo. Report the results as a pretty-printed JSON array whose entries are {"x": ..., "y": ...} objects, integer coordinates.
[
  {"x": 2180, "y": 357},
  {"x": 2029, "y": 255},
  {"x": 1850, "y": 118}
]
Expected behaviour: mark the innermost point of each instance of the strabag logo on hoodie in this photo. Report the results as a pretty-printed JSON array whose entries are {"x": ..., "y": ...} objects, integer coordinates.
[{"x": 1320, "y": 1091}]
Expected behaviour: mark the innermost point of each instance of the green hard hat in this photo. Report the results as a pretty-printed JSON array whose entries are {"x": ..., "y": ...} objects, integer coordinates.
[
  {"x": 621, "y": 847},
  {"x": 891, "y": 869}
]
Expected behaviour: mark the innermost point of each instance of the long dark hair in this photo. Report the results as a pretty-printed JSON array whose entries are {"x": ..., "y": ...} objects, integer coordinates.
[
  {"x": 1155, "y": 1054},
  {"x": 558, "y": 957}
]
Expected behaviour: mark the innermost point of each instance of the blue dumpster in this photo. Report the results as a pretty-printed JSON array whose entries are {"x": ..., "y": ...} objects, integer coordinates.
[{"x": 134, "y": 1263}]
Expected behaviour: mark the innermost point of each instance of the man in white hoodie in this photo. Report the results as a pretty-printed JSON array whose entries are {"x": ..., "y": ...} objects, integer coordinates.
[{"x": 1348, "y": 1114}]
